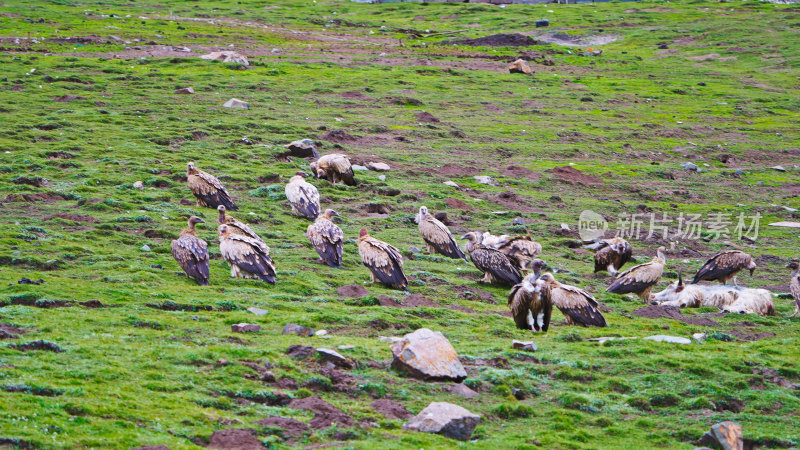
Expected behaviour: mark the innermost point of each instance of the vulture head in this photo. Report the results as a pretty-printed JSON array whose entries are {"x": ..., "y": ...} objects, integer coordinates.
[
  {"x": 194, "y": 220},
  {"x": 330, "y": 214},
  {"x": 423, "y": 213},
  {"x": 363, "y": 233},
  {"x": 223, "y": 230},
  {"x": 191, "y": 169},
  {"x": 751, "y": 266},
  {"x": 473, "y": 238},
  {"x": 794, "y": 265},
  {"x": 298, "y": 176},
  {"x": 618, "y": 247},
  {"x": 221, "y": 209},
  {"x": 536, "y": 266},
  {"x": 660, "y": 253},
  {"x": 545, "y": 281}
]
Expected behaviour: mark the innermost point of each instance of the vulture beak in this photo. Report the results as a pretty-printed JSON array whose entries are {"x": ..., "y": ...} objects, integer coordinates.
[
  {"x": 334, "y": 213},
  {"x": 466, "y": 236},
  {"x": 199, "y": 220}
]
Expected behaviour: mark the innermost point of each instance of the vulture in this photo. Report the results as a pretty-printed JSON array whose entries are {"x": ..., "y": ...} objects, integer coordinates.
[
  {"x": 437, "y": 236},
  {"x": 794, "y": 285},
  {"x": 521, "y": 250},
  {"x": 577, "y": 305},
  {"x": 384, "y": 261},
  {"x": 526, "y": 304},
  {"x": 495, "y": 265},
  {"x": 248, "y": 257},
  {"x": 725, "y": 265},
  {"x": 610, "y": 254},
  {"x": 191, "y": 253},
  {"x": 235, "y": 226},
  {"x": 327, "y": 238},
  {"x": 303, "y": 196},
  {"x": 335, "y": 168},
  {"x": 207, "y": 189},
  {"x": 640, "y": 279}
]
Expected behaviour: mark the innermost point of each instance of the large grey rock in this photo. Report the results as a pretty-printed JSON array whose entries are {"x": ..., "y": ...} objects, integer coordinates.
[
  {"x": 292, "y": 328},
  {"x": 520, "y": 66},
  {"x": 258, "y": 311},
  {"x": 690, "y": 166},
  {"x": 484, "y": 179},
  {"x": 446, "y": 419},
  {"x": 359, "y": 167},
  {"x": 726, "y": 435},
  {"x": 227, "y": 56},
  {"x": 426, "y": 354},
  {"x": 236, "y": 103},
  {"x": 378, "y": 167},
  {"x": 670, "y": 339},
  {"x": 303, "y": 148},
  {"x": 334, "y": 357}
]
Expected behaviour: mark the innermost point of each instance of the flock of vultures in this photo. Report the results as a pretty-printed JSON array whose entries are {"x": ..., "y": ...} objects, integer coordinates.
[{"x": 509, "y": 260}]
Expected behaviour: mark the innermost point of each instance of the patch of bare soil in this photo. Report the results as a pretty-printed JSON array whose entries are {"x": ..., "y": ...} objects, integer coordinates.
[
  {"x": 511, "y": 200},
  {"x": 520, "y": 172},
  {"x": 358, "y": 95},
  {"x": 578, "y": 41},
  {"x": 427, "y": 117},
  {"x": 471, "y": 293},
  {"x": 352, "y": 291},
  {"x": 74, "y": 217},
  {"x": 572, "y": 175},
  {"x": 238, "y": 438},
  {"x": 391, "y": 409},
  {"x": 455, "y": 203},
  {"x": 672, "y": 312},
  {"x": 496, "y": 40},
  {"x": 325, "y": 414},
  {"x": 338, "y": 136},
  {"x": 8, "y": 331},
  {"x": 291, "y": 429},
  {"x": 752, "y": 337},
  {"x": 770, "y": 376}
]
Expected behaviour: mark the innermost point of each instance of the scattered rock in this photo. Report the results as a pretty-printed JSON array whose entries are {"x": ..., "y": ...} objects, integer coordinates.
[
  {"x": 542, "y": 23},
  {"x": 446, "y": 419},
  {"x": 352, "y": 291},
  {"x": 414, "y": 250},
  {"x": 300, "y": 351},
  {"x": 258, "y": 311},
  {"x": 527, "y": 346},
  {"x": 382, "y": 178},
  {"x": 427, "y": 117},
  {"x": 325, "y": 414},
  {"x": 321, "y": 333},
  {"x": 670, "y": 339},
  {"x": 25, "y": 280},
  {"x": 186, "y": 90},
  {"x": 690, "y": 166},
  {"x": 520, "y": 66},
  {"x": 390, "y": 339},
  {"x": 292, "y": 328},
  {"x": 391, "y": 409},
  {"x": 357, "y": 167},
  {"x": 235, "y": 438},
  {"x": 378, "y": 166},
  {"x": 334, "y": 357},
  {"x": 236, "y": 103},
  {"x": 778, "y": 168},
  {"x": 138, "y": 185},
  {"x": 451, "y": 184},
  {"x": 726, "y": 435},
  {"x": 518, "y": 221},
  {"x": 483, "y": 179},
  {"x": 592, "y": 52},
  {"x": 245, "y": 328},
  {"x": 462, "y": 390},
  {"x": 227, "y": 56},
  {"x": 303, "y": 148},
  {"x": 699, "y": 336},
  {"x": 291, "y": 429},
  {"x": 426, "y": 354},
  {"x": 565, "y": 228},
  {"x": 145, "y": 248}
]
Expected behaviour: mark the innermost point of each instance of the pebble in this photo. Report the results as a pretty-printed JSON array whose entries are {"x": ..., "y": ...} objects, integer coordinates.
[
  {"x": 321, "y": 333},
  {"x": 527, "y": 346},
  {"x": 360, "y": 168},
  {"x": 258, "y": 311},
  {"x": 519, "y": 221},
  {"x": 138, "y": 185},
  {"x": 778, "y": 168},
  {"x": 484, "y": 179},
  {"x": 690, "y": 166},
  {"x": 382, "y": 177},
  {"x": 451, "y": 184},
  {"x": 145, "y": 248}
]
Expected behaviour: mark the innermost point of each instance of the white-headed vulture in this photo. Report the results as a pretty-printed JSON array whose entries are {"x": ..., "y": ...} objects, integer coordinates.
[
  {"x": 640, "y": 279},
  {"x": 577, "y": 305},
  {"x": 495, "y": 265},
  {"x": 725, "y": 265},
  {"x": 327, "y": 238},
  {"x": 437, "y": 236},
  {"x": 236, "y": 226},
  {"x": 794, "y": 285},
  {"x": 385, "y": 263},
  {"x": 191, "y": 253},
  {"x": 207, "y": 189},
  {"x": 303, "y": 196},
  {"x": 335, "y": 168},
  {"x": 248, "y": 257},
  {"x": 526, "y": 304},
  {"x": 610, "y": 254}
]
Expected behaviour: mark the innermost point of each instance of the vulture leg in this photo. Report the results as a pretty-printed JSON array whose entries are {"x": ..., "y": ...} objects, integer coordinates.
[
  {"x": 548, "y": 311},
  {"x": 796, "y": 310},
  {"x": 372, "y": 277},
  {"x": 734, "y": 281},
  {"x": 645, "y": 294},
  {"x": 612, "y": 271},
  {"x": 234, "y": 271}
]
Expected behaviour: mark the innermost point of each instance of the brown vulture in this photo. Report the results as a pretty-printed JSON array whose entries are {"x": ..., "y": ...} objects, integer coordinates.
[
  {"x": 207, "y": 189},
  {"x": 384, "y": 261},
  {"x": 610, "y": 254},
  {"x": 437, "y": 236},
  {"x": 577, "y": 305},
  {"x": 521, "y": 250},
  {"x": 191, "y": 253},
  {"x": 526, "y": 304},
  {"x": 640, "y": 279},
  {"x": 327, "y": 238},
  {"x": 248, "y": 257},
  {"x": 794, "y": 285},
  {"x": 335, "y": 168},
  {"x": 235, "y": 226},
  {"x": 303, "y": 196},
  {"x": 725, "y": 265},
  {"x": 495, "y": 265}
]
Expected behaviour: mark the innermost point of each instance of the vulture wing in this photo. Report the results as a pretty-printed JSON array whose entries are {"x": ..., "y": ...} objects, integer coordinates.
[
  {"x": 250, "y": 255},
  {"x": 603, "y": 257},
  {"x": 437, "y": 235},
  {"x": 209, "y": 191},
  {"x": 496, "y": 263},
  {"x": 637, "y": 278},
  {"x": 327, "y": 239},
  {"x": 305, "y": 198},
  {"x": 794, "y": 288},
  {"x": 721, "y": 265},
  {"x": 519, "y": 301},
  {"x": 192, "y": 255},
  {"x": 343, "y": 167},
  {"x": 384, "y": 261},
  {"x": 625, "y": 256},
  {"x": 242, "y": 229},
  {"x": 578, "y": 305},
  {"x": 520, "y": 249}
]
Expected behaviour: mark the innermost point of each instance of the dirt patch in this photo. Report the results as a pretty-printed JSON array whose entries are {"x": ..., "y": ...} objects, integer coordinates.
[
  {"x": 37, "y": 345},
  {"x": 511, "y": 200},
  {"x": 752, "y": 337},
  {"x": 427, "y": 117},
  {"x": 8, "y": 331},
  {"x": 301, "y": 351},
  {"x": 352, "y": 291},
  {"x": 770, "y": 376},
  {"x": 672, "y": 312},
  {"x": 68, "y": 98},
  {"x": 325, "y": 414},
  {"x": 455, "y": 203},
  {"x": 340, "y": 381},
  {"x": 572, "y": 175},
  {"x": 42, "y": 197},
  {"x": 414, "y": 300},
  {"x": 578, "y": 41},
  {"x": 471, "y": 293},
  {"x": 290, "y": 429},
  {"x": 520, "y": 172},
  {"x": 74, "y": 217},
  {"x": 496, "y": 40},
  {"x": 453, "y": 170},
  {"x": 391, "y": 409},
  {"x": 338, "y": 136},
  {"x": 461, "y": 308},
  {"x": 355, "y": 95},
  {"x": 238, "y": 438},
  {"x": 91, "y": 304}
]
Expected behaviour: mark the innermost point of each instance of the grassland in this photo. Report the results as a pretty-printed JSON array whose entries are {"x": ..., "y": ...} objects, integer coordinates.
[{"x": 158, "y": 363}]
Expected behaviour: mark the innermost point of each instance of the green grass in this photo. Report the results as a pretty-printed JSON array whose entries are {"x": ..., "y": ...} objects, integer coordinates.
[{"x": 132, "y": 374}]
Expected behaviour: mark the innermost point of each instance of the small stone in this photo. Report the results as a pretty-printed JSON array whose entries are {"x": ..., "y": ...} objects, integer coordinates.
[
  {"x": 414, "y": 250},
  {"x": 702, "y": 83},
  {"x": 321, "y": 333},
  {"x": 518, "y": 221},
  {"x": 426, "y": 354},
  {"x": 334, "y": 357},
  {"x": 663, "y": 46},
  {"x": 300, "y": 351},
  {"x": 670, "y": 339},
  {"x": 236, "y": 103},
  {"x": 222, "y": 362},
  {"x": 156, "y": 266},
  {"x": 699, "y": 336},
  {"x": 483, "y": 179},
  {"x": 778, "y": 168},
  {"x": 542, "y": 23},
  {"x": 292, "y": 328},
  {"x": 357, "y": 167},
  {"x": 451, "y": 184},
  {"x": 739, "y": 172},
  {"x": 258, "y": 311},
  {"x": 186, "y": 90},
  {"x": 303, "y": 148},
  {"x": 346, "y": 347},
  {"x": 447, "y": 419},
  {"x": 117, "y": 39},
  {"x": 462, "y": 390},
  {"x": 245, "y": 328},
  {"x": 690, "y": 166},
  {"x": 138, "y": 185},
  {"x": 726, "y": 435},
  {"x": 526, "y": 346},
  {"x": 145, "y": 248},
  {"x": 520, "y": 66},
  {"x": 227, "y": 56},
  {"x": 565, "y": 228},
  {"x": 378, "y": 167},
  {"x": 382, "y": 177},
  {"x": 389, "y": 339}
]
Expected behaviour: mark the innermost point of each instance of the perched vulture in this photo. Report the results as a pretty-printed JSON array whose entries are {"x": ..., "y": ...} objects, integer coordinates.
[
  {"x": 521, "y": 250},
  {"x": 207, "y": 189},
  {"x": 437, "y": 236},
  {"x": 191, "y": 253},
  {"x": 335, "y": 168},
  {"x": 579, "y": 307},
  {"x": 235, "y": 226},
  {"x": 384, "y": 261},
  {"x": 640, "y": 279},
  {"x": 248, "y": 257},
  {"x": 495, "y": 265},
  {"x": 794, "y": 285},
  {"x": 327, "y": 238},
  {"x": 526, "y": 304},
  {"x": 725, "y": 265},
  {"x": 610, "y": 254},
  {"x": 303, "y": 196}
]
